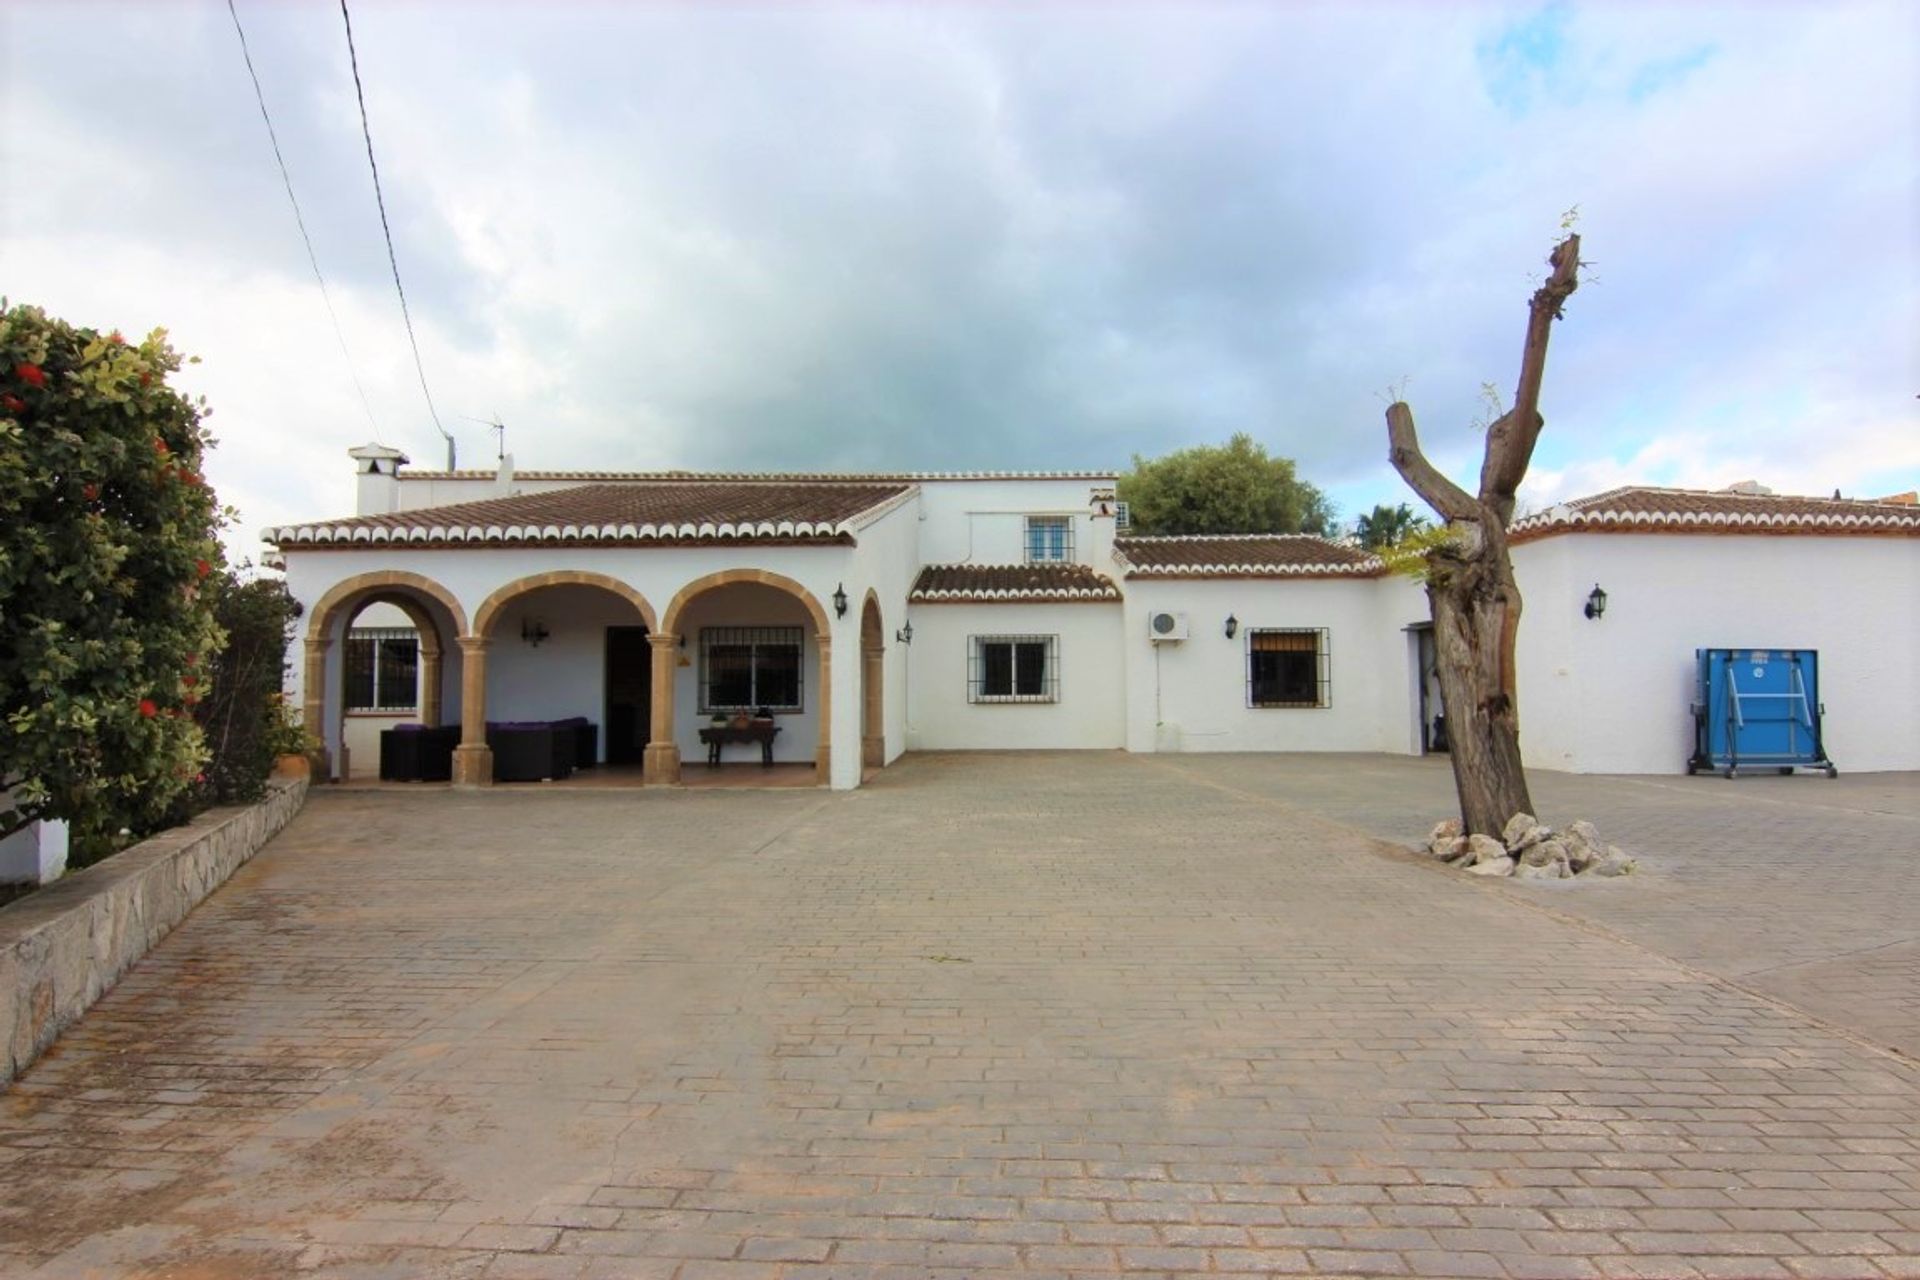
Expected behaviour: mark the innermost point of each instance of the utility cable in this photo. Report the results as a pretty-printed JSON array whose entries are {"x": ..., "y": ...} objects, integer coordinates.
[
  {"x": 313, "y": 258},
  {"x": 392, "y": 260}
]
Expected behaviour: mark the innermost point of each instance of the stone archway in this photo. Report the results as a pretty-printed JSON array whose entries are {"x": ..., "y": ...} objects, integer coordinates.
[
  {"x": 340, "y": 603},
  {"x": 473, "y": 759},
  {"x": 663, "y": 753},
  {"x": 873, "y": 653}
]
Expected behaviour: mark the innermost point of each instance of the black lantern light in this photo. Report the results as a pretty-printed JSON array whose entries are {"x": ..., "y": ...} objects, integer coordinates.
[
  {"x": 840, "y": 601},
  {"x": 1233, "y": 626},
  {"x": 533, "y": 631},
  {"x": 905, "y": 634},
  {"x": 1596, "y": 602}
]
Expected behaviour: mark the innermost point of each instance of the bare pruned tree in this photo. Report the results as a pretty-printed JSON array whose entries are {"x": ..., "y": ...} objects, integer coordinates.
[{"x": 1470, "y": 584}]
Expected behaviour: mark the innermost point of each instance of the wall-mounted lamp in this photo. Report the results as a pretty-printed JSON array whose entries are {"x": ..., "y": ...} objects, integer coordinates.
[
  {"x": 905, "y": 634},
  {"x": 1596, "y": 602},
  {"x": 533, "y": 631},
  {"x": 1233, "y": 626},
  {"x": 840, "y": 601}
]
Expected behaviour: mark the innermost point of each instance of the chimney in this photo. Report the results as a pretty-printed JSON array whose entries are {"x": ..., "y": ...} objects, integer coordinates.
[
  {"x": 503, "y": 482},
  {"x": 378, "y": 475}
]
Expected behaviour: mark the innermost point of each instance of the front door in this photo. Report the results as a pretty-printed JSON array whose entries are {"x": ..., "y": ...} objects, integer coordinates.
[{"x": 629, "y": 693}]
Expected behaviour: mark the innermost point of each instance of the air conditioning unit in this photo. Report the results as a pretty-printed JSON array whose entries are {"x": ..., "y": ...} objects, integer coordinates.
[{"x": 1164, "y": 627}]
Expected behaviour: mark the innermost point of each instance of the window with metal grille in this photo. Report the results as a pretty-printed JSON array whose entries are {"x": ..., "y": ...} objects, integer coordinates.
[
  {"x": 1013, "y": 668},
  {"x": 1289, "y": 667},
  {"x": 383, "y": 669},
  {"x": 1049, "y": 539},
  {"x": 746, "y": 668}
]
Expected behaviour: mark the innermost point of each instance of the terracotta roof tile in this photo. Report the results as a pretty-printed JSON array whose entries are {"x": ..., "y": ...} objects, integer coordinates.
[
  {"x": 1011, "y": 583},
  {"x": 600, "y": 514},
  {"x": 1645, "y": 509},
  {"x": 1253, "y": 555}
]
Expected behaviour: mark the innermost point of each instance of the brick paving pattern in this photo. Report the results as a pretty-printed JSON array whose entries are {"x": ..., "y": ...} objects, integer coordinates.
[{"x": 1041, "y": 1014}]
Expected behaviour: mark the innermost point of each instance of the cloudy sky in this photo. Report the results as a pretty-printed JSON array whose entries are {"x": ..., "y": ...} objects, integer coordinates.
[{"x": 928, "y": 236}]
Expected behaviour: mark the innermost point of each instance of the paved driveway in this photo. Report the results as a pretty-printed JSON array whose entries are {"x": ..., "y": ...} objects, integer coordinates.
[{"x": 1060, "y": 1014}]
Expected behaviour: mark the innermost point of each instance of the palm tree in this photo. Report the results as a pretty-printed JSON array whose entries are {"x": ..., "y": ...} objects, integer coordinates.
[{"x": 1383, "y": 526}]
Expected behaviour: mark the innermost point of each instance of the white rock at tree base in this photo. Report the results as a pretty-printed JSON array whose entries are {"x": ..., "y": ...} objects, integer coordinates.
[
  {"x": 1484, "y": 849},
  {"x": 1502, "y": 866},
  {"x": 1522, "y": 831}
]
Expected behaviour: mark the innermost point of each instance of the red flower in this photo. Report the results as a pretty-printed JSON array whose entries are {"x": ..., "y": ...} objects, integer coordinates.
[
  {"x": 30, "y": 373},
  {"x": 189, "y": 681},
  {"x": 91, "y": 492},
  {"x": 193, "y": 659},
  {"x": 189, "y": 477},
  {"x": 160, "y": 446},
  {"x": 147, "y": 709},
  {"x": 146, "y": 378},
  {"x": 13, "y": 403},
  {"x": 115, "y": 338},
  {"x": 202, "y": 568}
]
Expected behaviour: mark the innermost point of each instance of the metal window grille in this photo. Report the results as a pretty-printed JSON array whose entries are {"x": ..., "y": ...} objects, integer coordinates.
[
  {"x": 1013, "y": 668},
  {"x": 746, "y": 668},
  {"x": 1049, "y": 539},
  {"x": 1289, "y": 667},
  {"x": 1122, "y": 515},
  {"x": 382, "y": 669}
]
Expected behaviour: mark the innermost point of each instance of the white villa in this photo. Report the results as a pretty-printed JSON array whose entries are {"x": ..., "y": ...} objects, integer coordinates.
[{"x": 877, "y": 614}]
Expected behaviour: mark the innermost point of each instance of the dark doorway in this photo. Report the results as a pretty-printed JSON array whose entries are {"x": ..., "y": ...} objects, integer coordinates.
[
  {"x": 629, "y": 693},
  {"x": 1433, "y": 712}
]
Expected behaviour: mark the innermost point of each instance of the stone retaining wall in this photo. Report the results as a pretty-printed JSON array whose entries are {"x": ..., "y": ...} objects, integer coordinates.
[{"x": 63, "y": 947}]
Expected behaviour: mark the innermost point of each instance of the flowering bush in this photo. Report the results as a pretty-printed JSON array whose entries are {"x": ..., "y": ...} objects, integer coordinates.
[
  {"x": 110, "y": 532},
  {"x": 244, "y": 714}
]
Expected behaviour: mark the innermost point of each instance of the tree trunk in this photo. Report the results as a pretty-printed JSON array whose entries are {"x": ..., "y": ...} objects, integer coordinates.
[
  {"x": 1470, "y": 585},
  {"x": 1475, "y": 621}
]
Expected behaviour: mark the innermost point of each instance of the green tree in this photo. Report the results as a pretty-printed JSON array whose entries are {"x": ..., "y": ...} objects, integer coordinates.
[
  {"x": 109, "y": 537},
  {"x": 1232, "y": 488},
  {"x": 1384, "y": 526}
]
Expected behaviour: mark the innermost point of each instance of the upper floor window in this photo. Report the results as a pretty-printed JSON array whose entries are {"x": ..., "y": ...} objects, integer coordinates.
[
  {"x": 383, "y": 669},
  {"x": 1289, "y": 667},
  {"x": 1049, "y": 539},
  {"x": 746, "y": 668}
]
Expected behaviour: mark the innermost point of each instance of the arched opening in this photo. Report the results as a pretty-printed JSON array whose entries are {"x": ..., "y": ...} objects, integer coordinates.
[
  {"x": 559, "y": 678},
  {"x": 873, "y": 653},
  {"x": 380, "y": 653},
  {"x": 739, "y": 643}
]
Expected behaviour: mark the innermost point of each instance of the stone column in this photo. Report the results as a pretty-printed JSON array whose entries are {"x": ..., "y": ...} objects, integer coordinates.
[
  {"x": 429, "y": 679},
  {"x": 313, "y": 705},
  {"x": 473, "y": 759},
  {"x": 661, "y": 763},
  {"x": 823, "y": 752},
  {"x": 873, "y": 727}
]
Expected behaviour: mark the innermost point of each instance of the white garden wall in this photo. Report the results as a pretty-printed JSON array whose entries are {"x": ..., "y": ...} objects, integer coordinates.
[{"x": 1612, "y": 695}]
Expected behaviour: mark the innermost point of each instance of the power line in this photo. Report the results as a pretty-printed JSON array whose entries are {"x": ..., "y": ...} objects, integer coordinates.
[
  {"x": 392, "y": 260},
  {"x": 313, "y": 258}
]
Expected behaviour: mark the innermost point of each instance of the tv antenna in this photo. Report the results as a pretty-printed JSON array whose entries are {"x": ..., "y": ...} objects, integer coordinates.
[{"x": 499, "y": 430}]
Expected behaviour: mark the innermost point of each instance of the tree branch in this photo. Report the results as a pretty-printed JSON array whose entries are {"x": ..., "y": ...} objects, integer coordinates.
[
  {"x": 1510, "y": 440},
  {"x": 1403, "y": 451}
]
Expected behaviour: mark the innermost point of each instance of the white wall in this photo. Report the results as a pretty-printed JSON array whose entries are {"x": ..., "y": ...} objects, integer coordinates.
[
  {"x": 1192, "y": 695},
  {"x": 1612, "y": 695},
  {"x": 1089, "y": 714},
  {"x": 984, "y": 521}
]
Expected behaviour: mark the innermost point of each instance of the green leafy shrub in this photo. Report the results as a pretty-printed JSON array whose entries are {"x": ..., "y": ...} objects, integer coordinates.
[
  {"x": 244, "y": 716},
  {"x": 106, "y": 628}
]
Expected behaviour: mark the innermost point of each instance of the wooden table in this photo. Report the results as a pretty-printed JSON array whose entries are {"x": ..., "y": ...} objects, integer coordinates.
[{"x": 721, "y": 734}]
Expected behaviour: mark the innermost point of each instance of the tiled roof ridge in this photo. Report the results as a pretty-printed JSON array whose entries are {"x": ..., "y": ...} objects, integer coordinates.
[
  {"x": 766, "y": 477},
  {"x": 1731, "y": 494},
  {"x": 1224, "y": 537},
  {"x": 1004, "y": 583},
  {"x": 1657, "y": 508},
  {"x": 605, "y": 513}
]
